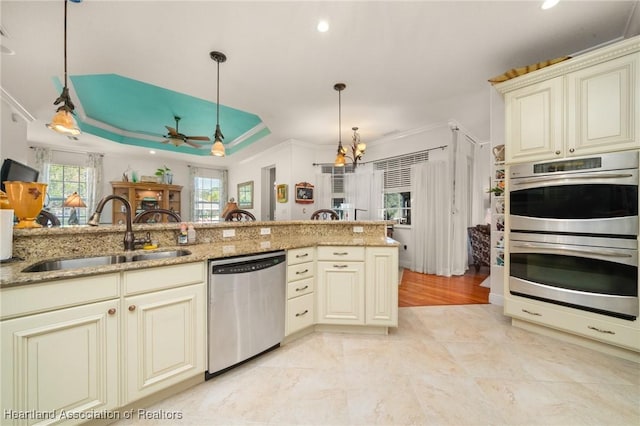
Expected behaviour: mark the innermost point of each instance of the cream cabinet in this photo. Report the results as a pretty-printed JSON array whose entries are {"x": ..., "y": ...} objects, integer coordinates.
[
  {"x": 63, "y": 359},
  {"x": 381, "y": 286},
  {"x": 164, "y": 327},
  {"x": 534, "y": 122},
  {"x": 97, "y": 343},
  {"x": 586, "y": 105},
  {"x": 593, "y": 326},
  {"x": 341, "y": 285},
  {"x": 300, "y": 289}
]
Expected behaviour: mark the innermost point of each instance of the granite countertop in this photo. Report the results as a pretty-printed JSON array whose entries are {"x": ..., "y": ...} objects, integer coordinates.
[{"x": 11, "y": 274}]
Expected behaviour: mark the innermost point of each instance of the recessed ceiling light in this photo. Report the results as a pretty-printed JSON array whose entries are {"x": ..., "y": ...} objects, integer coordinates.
[
  {"x": 152, "y": 152},
  {"x": 548, "y": 4},
  {"x": 323, "y": 26}
]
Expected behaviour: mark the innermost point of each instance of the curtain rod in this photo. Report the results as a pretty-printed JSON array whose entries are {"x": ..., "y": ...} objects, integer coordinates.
[
  {"x": 67, "y": 151},
  {"x": 390, "y": 158}
]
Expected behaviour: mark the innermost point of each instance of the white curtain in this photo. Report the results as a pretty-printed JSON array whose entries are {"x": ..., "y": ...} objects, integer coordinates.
[
  {"x": 431, "y": 218},
  {"x": 463, "y": 165},
  {"x": 364, "y": 193},
  {"x": 43, "y": 162},
  {"x": 323, "y": 191},
  {"x": 94, "y": 178}
]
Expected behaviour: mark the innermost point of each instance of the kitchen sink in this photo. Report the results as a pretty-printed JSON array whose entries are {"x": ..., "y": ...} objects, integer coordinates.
[
  {"x": 84, "y": 262},
  {"x": 80, "y": 262},
  {"x": 159, "y": 255}
]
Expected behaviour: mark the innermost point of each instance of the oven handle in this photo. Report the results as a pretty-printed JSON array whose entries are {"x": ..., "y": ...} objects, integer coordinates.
[
  {"x": 561, "y": 178},
  {"x": 560, "y": 249}
]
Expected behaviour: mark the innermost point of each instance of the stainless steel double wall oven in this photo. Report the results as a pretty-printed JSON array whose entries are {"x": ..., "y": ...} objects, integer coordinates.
[{"x": 573, "y": 236}]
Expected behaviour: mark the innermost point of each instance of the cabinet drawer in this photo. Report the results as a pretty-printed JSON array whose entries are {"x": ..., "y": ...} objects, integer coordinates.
[
  {"x": 341, "y": 253},
  {"x": 299, "y": 313},
  {"x": 586, "y": 325},
  {"x": 300, "y": 255},
  {"x": 151, "y": 279},
  {"x": 300, "y": 287},
  {"x": 299, "y": 272},
  {"x": 32, "y": 298}
]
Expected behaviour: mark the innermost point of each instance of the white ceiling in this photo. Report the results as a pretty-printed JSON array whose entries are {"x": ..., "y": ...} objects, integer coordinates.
[{"x": 406, "y": 64}]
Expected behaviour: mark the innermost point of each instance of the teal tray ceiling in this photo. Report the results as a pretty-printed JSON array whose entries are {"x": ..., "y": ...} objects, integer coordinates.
[{"x": 132, "y": 112}]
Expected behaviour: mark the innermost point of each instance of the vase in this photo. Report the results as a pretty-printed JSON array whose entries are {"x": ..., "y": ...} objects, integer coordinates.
[
  {"x": 27, "y": 200},
  {"x": 168, "y": 178}
]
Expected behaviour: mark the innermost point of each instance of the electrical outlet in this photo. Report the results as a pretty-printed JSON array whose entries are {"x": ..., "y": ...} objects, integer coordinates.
[
  {"x": 265, "y": 231},
  {"x": 228, "y": 233},
  {"x": 358, "y": 229}
]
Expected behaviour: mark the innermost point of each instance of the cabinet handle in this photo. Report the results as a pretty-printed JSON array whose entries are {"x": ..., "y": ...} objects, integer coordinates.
[
  {"x": 302, "y": 272},
  {"x": 132, "y": 308},
  {"x": 535, "y": 314},
  {"x": 557, "y": 152},
  {"x": 344, "y": 253},
  {"x": 571, "y": 150},
  {"x": 111, "y": 311},
  {"x": 306, "y": 311},
  {"x": 298, "y": 256},
  {"x": 599, "y": 330},
  {"x": 340, "y": 266},
  {"x": 303, "y": 288}
]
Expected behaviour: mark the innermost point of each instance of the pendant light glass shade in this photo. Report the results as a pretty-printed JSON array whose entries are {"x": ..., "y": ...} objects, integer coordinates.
[
  {"x": 340, "y": 159},
  {"x": 217, "y": 149},
  {"x": 63, "y": 121}
]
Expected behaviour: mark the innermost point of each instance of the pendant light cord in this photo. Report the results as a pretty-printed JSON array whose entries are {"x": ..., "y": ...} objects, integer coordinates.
[
  {"x": 218, "y": 96},
  {"x": 65, "y": 42},
  {"x": 340, "y": 117}
]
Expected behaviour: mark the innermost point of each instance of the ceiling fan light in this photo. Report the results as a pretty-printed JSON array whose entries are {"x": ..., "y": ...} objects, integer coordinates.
[
  {"x": 218, "y": 149},
  {"x": 64, "y": 123},
  {"x": 176, "y": 141}
]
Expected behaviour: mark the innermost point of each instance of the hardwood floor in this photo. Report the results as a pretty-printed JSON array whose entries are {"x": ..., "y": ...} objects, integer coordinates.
[{"x": 426, "y": 290}]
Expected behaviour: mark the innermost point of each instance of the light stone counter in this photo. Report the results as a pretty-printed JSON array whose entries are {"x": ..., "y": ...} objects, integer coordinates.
[{"x": 34, "y": 245}]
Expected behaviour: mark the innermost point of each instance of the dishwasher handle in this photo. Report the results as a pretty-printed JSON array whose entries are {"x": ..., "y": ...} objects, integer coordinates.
[{"x": 246, "y": 264}]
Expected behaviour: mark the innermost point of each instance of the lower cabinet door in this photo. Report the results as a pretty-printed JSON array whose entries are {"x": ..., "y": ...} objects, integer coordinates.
[
  {"x": 340, "y": 293},
  {"x": 61, "y": 363},
  {"x": 165, "y": 339}
]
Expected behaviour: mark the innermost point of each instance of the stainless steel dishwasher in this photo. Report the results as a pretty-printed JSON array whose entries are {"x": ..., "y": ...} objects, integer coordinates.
[{"x": 247, "y": 296}]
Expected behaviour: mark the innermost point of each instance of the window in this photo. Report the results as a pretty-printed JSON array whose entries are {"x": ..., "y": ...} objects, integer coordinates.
[
  {"x": 64, "y": 180},
  {"x": 337, "y": 185},
  {"x": 397, "y": 185},
  {"x": 206, "y": 199}
]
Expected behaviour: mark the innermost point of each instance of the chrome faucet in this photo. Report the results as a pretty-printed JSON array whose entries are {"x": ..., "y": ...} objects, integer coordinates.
[{"x": 129, "y": 239}]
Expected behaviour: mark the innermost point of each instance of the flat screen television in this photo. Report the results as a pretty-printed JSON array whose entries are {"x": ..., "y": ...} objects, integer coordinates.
[{"x": 13, "y": 170}]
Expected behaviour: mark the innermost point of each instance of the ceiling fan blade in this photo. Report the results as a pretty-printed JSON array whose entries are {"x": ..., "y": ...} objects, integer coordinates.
[
  {"x": 199, "y": 138},
  {"x": 165, "y": 141},
  {"x": 171, "y": 130},
  {"x": 192, "y": 144}
]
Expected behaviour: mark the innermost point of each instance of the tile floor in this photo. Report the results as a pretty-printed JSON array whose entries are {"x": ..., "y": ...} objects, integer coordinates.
[{"x": 444, "y": 365}]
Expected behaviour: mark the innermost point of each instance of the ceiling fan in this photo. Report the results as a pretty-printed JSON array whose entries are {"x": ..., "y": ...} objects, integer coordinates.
[{"x": 177, "y": 138}]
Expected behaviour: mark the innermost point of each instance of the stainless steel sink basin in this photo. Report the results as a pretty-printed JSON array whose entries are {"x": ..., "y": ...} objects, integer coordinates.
[
  {"x": 159, "y": 255},
  {"x": 81, "y": 262},
  {"x": 84, "y": 262}
]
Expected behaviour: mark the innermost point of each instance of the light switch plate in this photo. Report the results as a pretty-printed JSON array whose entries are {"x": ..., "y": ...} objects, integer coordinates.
[
  {"x": 227, "y": 233},
  {"x": 358, "y": 229},
  {"x": 265, "y": 231}
]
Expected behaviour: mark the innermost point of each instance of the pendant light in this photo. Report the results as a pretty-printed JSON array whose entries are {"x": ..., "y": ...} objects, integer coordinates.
[
  {"x": 340, "y": 157},
  {"x": 218, "y": 147},
  {"x": 357, "y": 147},
  {"x": 63, "y": 121}
]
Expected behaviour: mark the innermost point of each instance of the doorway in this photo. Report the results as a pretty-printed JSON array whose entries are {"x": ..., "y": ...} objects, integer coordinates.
[{"x": 268, "y": 205}]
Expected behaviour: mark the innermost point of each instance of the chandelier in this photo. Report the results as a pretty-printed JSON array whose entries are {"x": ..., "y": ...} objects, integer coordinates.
[{"x": 357, "y": 147}]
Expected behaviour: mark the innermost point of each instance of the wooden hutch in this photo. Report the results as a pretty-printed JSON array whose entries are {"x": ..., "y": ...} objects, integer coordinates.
[{"x": 143, "y": 196}]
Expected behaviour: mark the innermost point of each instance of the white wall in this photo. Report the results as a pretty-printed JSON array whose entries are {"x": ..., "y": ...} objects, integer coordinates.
[{"x": 13, "y": 142}]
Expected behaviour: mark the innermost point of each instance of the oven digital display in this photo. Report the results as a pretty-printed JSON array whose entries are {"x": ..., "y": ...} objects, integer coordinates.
[{"x": 568, "y": 165}]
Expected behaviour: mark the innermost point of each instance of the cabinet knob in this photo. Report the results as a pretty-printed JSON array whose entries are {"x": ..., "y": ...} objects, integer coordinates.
[
  {"x": 572, "y": 150},
  {"x": 111, "y": 311},
  {"x": 557, "y": 152},
  {"x": 132, "y": 308}
]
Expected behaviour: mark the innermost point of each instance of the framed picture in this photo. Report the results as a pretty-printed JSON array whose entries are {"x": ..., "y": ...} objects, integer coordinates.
[
  {"x": 245, "y": 195},
  {"x": 282, "y": 191},
  {"x": 304, "y": 193}
]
